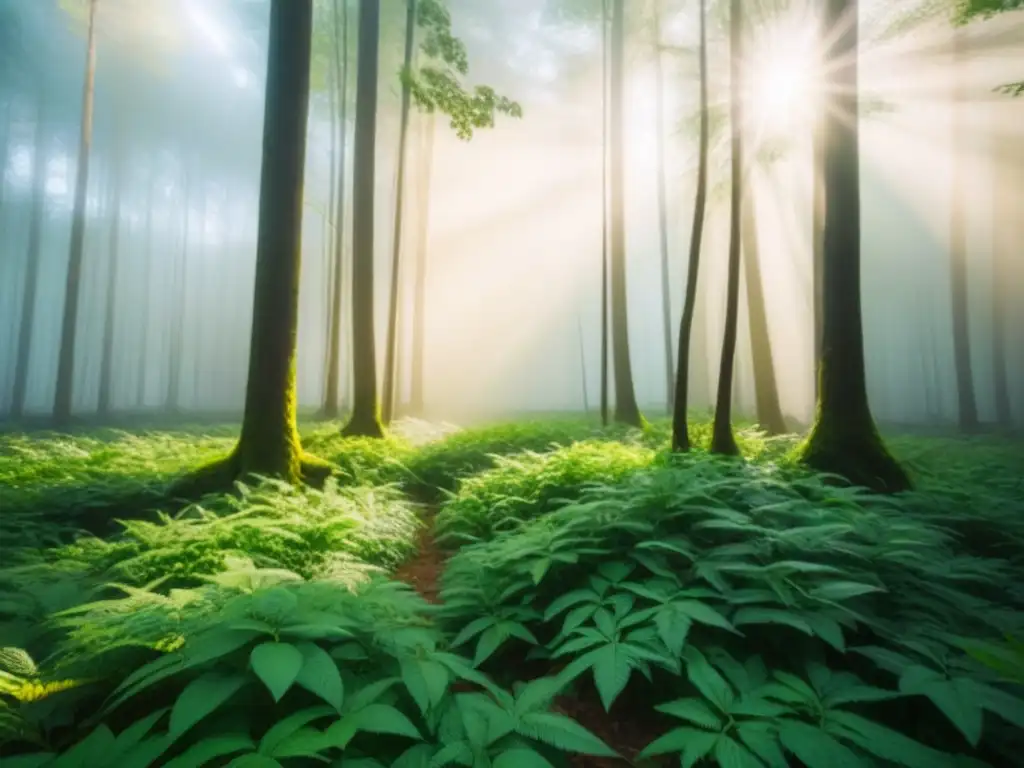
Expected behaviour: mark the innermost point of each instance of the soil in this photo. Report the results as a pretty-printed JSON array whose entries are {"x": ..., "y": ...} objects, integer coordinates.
[{"x": 423, "y": 572}]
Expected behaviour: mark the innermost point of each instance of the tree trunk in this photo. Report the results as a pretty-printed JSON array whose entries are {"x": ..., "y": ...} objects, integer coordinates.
[
  {"x": 680, "y": 433},
  {"x": 330, "y": 231},
  {"x": 364, "y": 420},
  {"x": 389, "y": 385},
  {"x": 173, "y": 401},
  {"x": 967, "y": 404},
  {"x": 626, "y": 409},
  {"x": 769, "y": 411},
  {"x": 5, "y": 143},
  {"x": 583, "y": 365},
  {"x": 107, "y": 360},
  {"x": 30, "y": 289},
  {"x": 331, "y": 399},
  {"x": 605, "y": 33},
  {"x": 666, "y": 293},
  {"x": 818, "y": 208},
  {"x": 269, "y": 442},
  {"x": 722, "y": 439},
  {"x": 419, "y": 307},
  {"x": 1006, "y": 223},
  {"x": 66, "y": 362},
  {"x": 843, "y": 439},
  {"x": 147, "y": 268}
]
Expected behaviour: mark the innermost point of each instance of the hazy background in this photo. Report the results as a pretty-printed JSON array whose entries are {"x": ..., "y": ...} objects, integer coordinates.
[{"x": 513, "y": 279}]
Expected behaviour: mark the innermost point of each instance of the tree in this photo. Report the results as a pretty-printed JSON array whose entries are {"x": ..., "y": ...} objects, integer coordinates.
[
  {"x": 269, "y": 442},
  {"x": 604, "y": 211},
  {"x": 680, "y": 435},
  {"x": 340, "y": 56},
  {"x": 967, "y": 405},
  {"x": 626, "y": 409},
  {"x": 843, "y": 439},
  {"x": 419, "y": 313},
  {"x": 364, "y": 420},
  {"x": 66, "y": 362},
  {"x": 391, "y": 343},
  {"x": 666, "y": 293},
  {"x": 107, "y": 359},
  {"x": 722, "y": 439},
  {"x": 30, "y": 288},
  {"x": 147, "y": 267}
]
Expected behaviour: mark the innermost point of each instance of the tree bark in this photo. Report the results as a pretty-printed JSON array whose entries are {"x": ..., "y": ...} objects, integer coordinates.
[
  {"x": 172, "y": 402},
  {"x": 843, "y": 439},
  {"x": 966, "y": 401},
  {"x": 818, "y": 208},
  {"x": 769, "y": 411},
  {"x": 364, "y": 420},
  {"x": 680, "y": 432},
  {"x": 666, "y": 293},
  {"x": 389, "y": 385},
  {"x": 419, "y": 307},
  {"x": 62, "y": 402},
  {"x": 30, "y": 289},
  {"x": 722, "y": 439},
  {"x": 626, "y": 409},
  {"x": 107, "y": 359},
  {"x": 332, "y": 397}
]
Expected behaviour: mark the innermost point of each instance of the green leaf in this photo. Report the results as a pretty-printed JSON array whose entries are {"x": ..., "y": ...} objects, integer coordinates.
[
  {"x": 426, "y": 680},
  {"x": 956, "y": 699},
  {"x": 254, "y": 761},
  {"x": 673, "y": 627},
  {"x": 692, "y": 744},
  {"x": 885, "y": 743},
  {"x": 277, "y": 665},
  {"x": 38, "y": 760},
  {"x": 843, "y": 590},
  {"x": 520, "y": 757},
  {"x": 473, "y": 629},
  {"x": 815, "y": 748},
  {"x": 201, "y": 697},
  {"x": 383, "y": 718},
  {"x": 693, "y": 711},
  {"x": 319, "y": 675},
  {"x": 731, "y": 754},
  {"x": 304, "y": 742},
  {"x": 282, "y": 729},
  {"x": 708, "y": 681},
  {"x": 771, "y": 616},
  {"x": 563, "y": 733},
  {"x": 538, "y": 693},
  {"x": 208, "y": 750}
]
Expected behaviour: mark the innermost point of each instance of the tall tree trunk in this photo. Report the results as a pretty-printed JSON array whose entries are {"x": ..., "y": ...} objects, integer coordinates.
[
  {"x": 843, "y": 439},
  {"x": 1008, "y": 176},
  {"x": 66, "y": 362},
  {"x": 30, "y": 289},
  {"x": 419, "y": 306},
  {"x": 330, "y": 232},
  {"x": 5, "y": 143},
  {"x": 626, "y": 409},
  {"x": 364, "y": 420},
  {"x": 269, "y": 442},
  {"x": 583, "y": 365},
  {"x": 605, "y": 45},
  {"x": 967, "y": 404},
  {"x": 331, "y": 399},
  {"x": 722, "y": 439},
  {"x": 769, "y": 411},
  {"x": 389, "y": 386},
  {"x": 680, "y": 435},
  {"x": 147, "y": 268},
  {"x": 666, "y": 293},
  {"x": 178, "y": 312},
  {"x": 818, "y": 204},
  {"x": 107, "y": 360}
]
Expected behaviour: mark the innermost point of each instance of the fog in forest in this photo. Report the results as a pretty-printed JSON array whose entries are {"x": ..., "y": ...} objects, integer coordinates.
[{"x": 505, "y": 229}]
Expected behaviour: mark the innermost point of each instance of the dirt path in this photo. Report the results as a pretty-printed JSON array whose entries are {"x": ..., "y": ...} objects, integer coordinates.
[{"x": 423, "y": 571}]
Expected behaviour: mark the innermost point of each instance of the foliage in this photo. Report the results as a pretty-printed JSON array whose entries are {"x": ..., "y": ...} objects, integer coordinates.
[
  {"x": 775, "y": 612},
  {"x": 528, "y": 484}
]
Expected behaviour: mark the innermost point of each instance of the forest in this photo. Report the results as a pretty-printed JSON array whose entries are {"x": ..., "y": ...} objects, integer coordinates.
[{"x": 511, "y": 383}]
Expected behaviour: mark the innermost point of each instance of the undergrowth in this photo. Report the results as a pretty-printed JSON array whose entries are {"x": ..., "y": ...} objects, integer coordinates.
[{"x": 749, "y": 613}]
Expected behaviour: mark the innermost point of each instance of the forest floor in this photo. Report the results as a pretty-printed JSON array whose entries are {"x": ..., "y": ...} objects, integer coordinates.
[{"x": 624, "y": 600}]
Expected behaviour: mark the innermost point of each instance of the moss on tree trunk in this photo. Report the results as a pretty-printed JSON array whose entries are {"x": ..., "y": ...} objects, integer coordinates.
[{"x": 843, "y": 439}]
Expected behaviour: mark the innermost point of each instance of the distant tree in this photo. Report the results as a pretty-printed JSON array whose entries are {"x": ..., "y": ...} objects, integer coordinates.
[
  {"x": 419, "y": 305},
  {"x": 269, "y": 442},
  {"x": 605, "y": 86},
  {"x": 177, "y": 314},
  {"x": 110, "y": 299},
  {"x": 843, "y": 439},
  {"x": 626, "y": 409},
  {"x": 30, "y": 288},
  {"x": 66, "y": 362},
  {"x": 680, "y": 435},
  {"x": 666, "y": 292},
  {"x": 147, "y": 268},
  {"x": 722, "y": 439},
  {"x": 340, "y": 67}
]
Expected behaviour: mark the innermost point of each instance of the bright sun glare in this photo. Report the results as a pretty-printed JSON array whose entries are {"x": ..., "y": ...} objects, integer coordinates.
[{"x": 780, "y": 87}]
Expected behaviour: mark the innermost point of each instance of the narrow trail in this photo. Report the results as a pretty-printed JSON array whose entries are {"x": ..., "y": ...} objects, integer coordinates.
[{"x": 423, "y": 570}]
